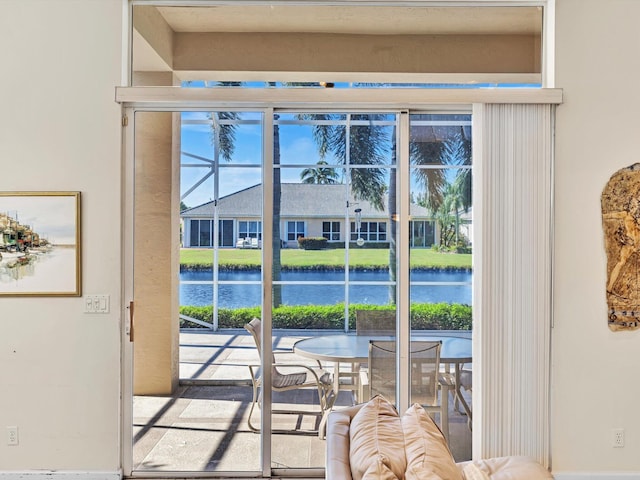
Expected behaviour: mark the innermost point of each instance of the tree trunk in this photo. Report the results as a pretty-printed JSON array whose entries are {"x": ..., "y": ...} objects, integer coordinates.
[
  {"x": 392, "y": 222},
  {"x": 277, "y": 194}
]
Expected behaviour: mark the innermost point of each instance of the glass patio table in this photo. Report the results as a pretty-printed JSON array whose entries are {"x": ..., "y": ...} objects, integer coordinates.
[{"x": 353, "y": 349}]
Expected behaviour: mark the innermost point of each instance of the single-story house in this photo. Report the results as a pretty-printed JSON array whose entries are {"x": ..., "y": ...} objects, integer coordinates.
[{"x": 307, "y": 210}]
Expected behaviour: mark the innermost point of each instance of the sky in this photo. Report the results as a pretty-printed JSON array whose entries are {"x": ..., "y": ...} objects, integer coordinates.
[
  {"x": 297, "y": 147},
  {"x": 52, "y": 217},
  {"x": 196, "y": 140}
]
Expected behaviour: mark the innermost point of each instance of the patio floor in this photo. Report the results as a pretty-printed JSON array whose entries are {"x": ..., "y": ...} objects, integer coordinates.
[{"x": 203, "y": 427}]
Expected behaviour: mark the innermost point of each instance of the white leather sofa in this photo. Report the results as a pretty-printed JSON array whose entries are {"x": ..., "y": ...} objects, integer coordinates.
[{"x": 424, "y": 449}]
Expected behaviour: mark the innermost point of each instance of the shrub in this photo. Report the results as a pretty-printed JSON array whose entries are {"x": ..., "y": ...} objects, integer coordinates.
[
  {"x": 424, "y": 316},
  {"x": 200, "y": 313},
  {"x": 312, "y": 243},
  {"x": 441, "y": 316}
]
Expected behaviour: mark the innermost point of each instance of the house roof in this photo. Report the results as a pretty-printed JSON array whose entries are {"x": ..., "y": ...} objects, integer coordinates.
[{"x": 302, "y": 200}]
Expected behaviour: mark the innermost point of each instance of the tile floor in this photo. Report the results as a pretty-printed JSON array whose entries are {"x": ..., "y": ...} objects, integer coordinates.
[{"x": 203, "y": 427}]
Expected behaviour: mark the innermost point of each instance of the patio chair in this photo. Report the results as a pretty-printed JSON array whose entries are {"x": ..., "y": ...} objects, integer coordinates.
[
  {"x": 466, "y": 383},
  {"x": 426, "y": 380},
  {"x": 370, "y": 323},
  {"x": 303, "y": 376},
  {"x": 376, "y": 322}
]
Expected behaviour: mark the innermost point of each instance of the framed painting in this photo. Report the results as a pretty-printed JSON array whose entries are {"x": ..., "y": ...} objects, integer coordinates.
[{"x": 40, "y": 248}]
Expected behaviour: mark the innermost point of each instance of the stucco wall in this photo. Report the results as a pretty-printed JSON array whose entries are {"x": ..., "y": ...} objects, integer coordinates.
[
  {"x": 595, "y": 376},
  {"x": 59, "y": 130}
]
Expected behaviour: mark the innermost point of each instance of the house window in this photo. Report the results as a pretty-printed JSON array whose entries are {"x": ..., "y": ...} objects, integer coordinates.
[
  {"x": 200, "y": 233},
  {"x": 250, "y": 229},
  {"x": 225, "y": 233},
  {"x": 331, "y": 231},
  {"x": 205, "y": 233},
  {"x": 370, "y": 231},
  {"x": 295, "y": 230},
  {"x": 194, "y": 232},
  {"x": 422, "y": 233}
]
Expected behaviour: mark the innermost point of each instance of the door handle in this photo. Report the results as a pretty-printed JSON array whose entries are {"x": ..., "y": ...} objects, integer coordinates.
[{"x": 131, "y": 321}]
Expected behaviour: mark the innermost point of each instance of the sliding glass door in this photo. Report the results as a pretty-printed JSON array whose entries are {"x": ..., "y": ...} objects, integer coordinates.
[{"x": 269, "y": 235}]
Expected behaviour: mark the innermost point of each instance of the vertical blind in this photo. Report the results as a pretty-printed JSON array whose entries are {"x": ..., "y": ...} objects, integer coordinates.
[{"x": 513, "y": 155}]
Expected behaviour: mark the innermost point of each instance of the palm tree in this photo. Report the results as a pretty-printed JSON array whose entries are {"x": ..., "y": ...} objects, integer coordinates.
[
  {"x": 277, "y": 197},
  {"x": 443, "y": 149},
  {"x": 320, "y": 175},
  {"x": 277, "y": 200},
  {"x": 223, "y": 135},
  {"x": 456, "y": 194},
  {"x": 392, "y": 204},
  {"x": 448, "y": 215},
  {"x": 368, "y": 146},
  {"x": 444, "y": 196},
  {"x": 456, "y": 151}
]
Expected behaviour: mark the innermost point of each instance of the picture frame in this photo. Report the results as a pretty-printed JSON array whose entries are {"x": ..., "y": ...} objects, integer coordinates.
[{"x": 40, "y": 244}]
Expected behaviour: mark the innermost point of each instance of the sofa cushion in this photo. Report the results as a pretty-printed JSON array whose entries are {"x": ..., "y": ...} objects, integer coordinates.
[
  {"x": 378, "y": 470},
  {"x": 338, "y": 426},
  {"x": 376, "y": 442},
  {"x": 472, "y": 472},
  {"x": 427, "y": 452},
  {"x": 512, "y": 468}
]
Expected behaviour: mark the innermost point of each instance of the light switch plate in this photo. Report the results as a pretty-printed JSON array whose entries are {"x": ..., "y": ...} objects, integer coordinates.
[{"x": 96, "y": 303}]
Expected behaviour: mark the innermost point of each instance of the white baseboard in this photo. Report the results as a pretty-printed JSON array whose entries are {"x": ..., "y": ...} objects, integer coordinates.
[
  {"x": 59, "y": 475},
  {"x": 597, "y": 476},
  {"x": 56, "y": 475}
]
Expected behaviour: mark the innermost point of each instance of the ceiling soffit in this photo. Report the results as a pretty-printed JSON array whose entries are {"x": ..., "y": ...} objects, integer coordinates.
[
  {"x": 157, "y": 30},
  {"x": 379, "y": 20}
]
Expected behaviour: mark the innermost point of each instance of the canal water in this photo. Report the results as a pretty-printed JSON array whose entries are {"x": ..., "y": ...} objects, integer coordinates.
[{"x": 246, "y": 295}]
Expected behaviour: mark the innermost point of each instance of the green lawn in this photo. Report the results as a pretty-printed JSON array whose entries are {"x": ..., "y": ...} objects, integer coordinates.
[{"x": 420, "y": 257}]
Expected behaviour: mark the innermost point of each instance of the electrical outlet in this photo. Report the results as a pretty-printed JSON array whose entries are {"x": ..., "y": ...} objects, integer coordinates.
[
  {"x": 618, "y": 437},
  {"x": 12, "y": 435}
]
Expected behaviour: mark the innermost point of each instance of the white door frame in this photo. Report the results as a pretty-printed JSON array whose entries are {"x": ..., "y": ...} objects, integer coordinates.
[{"x": 163, "y": 99}]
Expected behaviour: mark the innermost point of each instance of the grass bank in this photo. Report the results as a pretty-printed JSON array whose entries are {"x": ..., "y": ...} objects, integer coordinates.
[{"x": 241, "y": 259}]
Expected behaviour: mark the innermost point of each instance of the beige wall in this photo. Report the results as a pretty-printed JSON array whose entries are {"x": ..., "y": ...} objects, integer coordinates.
[
  {"x": 595, "y": 377},
  {"x": 356, "y": 53},
  {"x": 60, "y": 130},
  {"x": 60, "y": 371}
]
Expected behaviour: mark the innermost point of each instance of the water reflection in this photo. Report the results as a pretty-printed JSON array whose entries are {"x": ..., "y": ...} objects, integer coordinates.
[
  {"x": 249, "y": 295},
  {"x": 50, "y": 270},
  {"x": 15, "y": 266}
]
